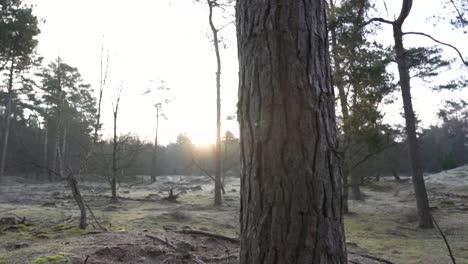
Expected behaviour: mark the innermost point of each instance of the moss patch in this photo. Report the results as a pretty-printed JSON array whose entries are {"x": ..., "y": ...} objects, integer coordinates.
[
  {"x": 379, "y": 186},
  {"x": 49, "y": 259}
]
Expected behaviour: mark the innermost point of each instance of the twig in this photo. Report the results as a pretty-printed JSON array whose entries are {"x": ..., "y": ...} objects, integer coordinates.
[
  {"x": 161, "y": 240},
  {"x": 460, "y": 15},
  {"x": 208, "y": 234},
  {"x": 93, "y": 216},
  {"x": 86, "y": 260},
  {"x": 206, "y": 173},
  {"x": 372, "y": 20},
  {"x": 445, "y": 239}
]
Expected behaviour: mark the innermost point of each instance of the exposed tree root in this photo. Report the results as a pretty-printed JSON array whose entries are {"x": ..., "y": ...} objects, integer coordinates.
[{"x": 208, "y": 234}]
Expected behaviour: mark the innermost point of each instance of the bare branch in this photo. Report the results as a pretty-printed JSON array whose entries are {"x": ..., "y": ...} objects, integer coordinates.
[
  {"x": 372, "y": 20},
  {"x": 440, "y": 42},
  {"x": 221, "y": 28},
  {"x": 369, "y": 155},
  {"x": 460, "y": 15}
]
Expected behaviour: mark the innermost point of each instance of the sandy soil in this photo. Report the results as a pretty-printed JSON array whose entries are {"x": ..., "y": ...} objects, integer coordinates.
[{"x": 142, "y": 226}]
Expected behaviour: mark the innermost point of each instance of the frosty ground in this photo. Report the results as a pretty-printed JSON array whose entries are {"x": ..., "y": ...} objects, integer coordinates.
[{"x": 40, "y": 222}]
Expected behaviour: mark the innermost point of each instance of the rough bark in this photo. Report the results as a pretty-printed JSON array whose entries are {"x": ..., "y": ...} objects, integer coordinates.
[
  {"x": 422, "y": 201},
  {"x": 217, "y": 190},
  {"x": 291, "y": 207},
  {"x": 6, "y": 132}
]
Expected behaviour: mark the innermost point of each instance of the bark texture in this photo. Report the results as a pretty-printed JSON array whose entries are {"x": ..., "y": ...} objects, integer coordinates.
[
  {"x": 422, "y": 202},
  {"x": 291, "y": 207}
]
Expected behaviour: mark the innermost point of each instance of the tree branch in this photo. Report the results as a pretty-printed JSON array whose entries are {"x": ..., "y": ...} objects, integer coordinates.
[
  {"x": 369, "y": 155},
  {"x": 460, "y": 15},
  {"x": 221, "y": 28},
  {"x": 405, "y": 10},
  {"x": 445, "y": 239},
  {"x": 372, "y": 20},
  {"x": 440, "y": 42}
]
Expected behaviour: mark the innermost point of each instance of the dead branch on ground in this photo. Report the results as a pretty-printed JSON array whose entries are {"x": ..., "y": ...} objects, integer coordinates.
[{"x": 208, "y": 234}]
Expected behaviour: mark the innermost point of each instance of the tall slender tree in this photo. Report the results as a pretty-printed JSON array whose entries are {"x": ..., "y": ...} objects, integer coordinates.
[
  {"x": 71, "y": 113},
  {"x": 161, "y": 98},
  {"x": 361, "y": 79},
  {"x": 102, "y": 85},
  {"x": 18, "y": 31},
  {"x": 154, "y": 158},
  {"x": 291, "y": 208},
  {"x": 217, "y": 190},
  {"x": 115, "y": 147},
  {"x": 426, "y": 65},
  {"x": 402, "y": 60}
]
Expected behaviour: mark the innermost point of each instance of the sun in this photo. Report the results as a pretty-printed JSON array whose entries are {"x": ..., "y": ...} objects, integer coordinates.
[{"x": 202, "y": 138}]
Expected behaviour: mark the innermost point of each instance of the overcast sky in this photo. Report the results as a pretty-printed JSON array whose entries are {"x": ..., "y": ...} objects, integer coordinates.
[{"x": 168, "y": 40}]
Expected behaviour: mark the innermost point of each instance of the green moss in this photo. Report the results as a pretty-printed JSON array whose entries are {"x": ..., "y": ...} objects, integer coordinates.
[
  {"x": 443, "y": 204},
  {"x": 387, "y": 236},
  {"x": 379, "y": 186},
  {"x": 49, "y": 259}
]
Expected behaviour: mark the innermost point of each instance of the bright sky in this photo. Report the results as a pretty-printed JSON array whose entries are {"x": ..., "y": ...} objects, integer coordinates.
[{"x": 154, "y": 40}]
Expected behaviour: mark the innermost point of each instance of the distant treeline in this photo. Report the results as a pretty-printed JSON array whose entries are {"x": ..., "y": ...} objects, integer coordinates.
[{"x": 443, "y": 147}]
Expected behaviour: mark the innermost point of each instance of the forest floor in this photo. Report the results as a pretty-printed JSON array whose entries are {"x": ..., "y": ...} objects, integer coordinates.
[{"x": 39, "y": 223}]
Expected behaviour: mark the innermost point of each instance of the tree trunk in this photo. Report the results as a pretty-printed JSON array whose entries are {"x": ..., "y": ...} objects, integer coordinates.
[
  {"x": 6, "y": 132},
  {"x": 45, "y": 150},
  {"x": 356, "y": 193},
  {"x": 291, "y": 207},
  {"x": 78, "y": 199},
  {"x": 345, "y": 195},
  {"x": 64, "y": 146},
  {"x": 53, "y": 166},
  {"x": 114, "y": 159},
  {"x": 343, "y": 97},
  {"x": 217, "y": 190},
  {"x": 102, "y": 83},
  {"x": 154, "y": 160},
  {"x": 422, "y": 202},
  {"x": 395, "y": 175}
]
